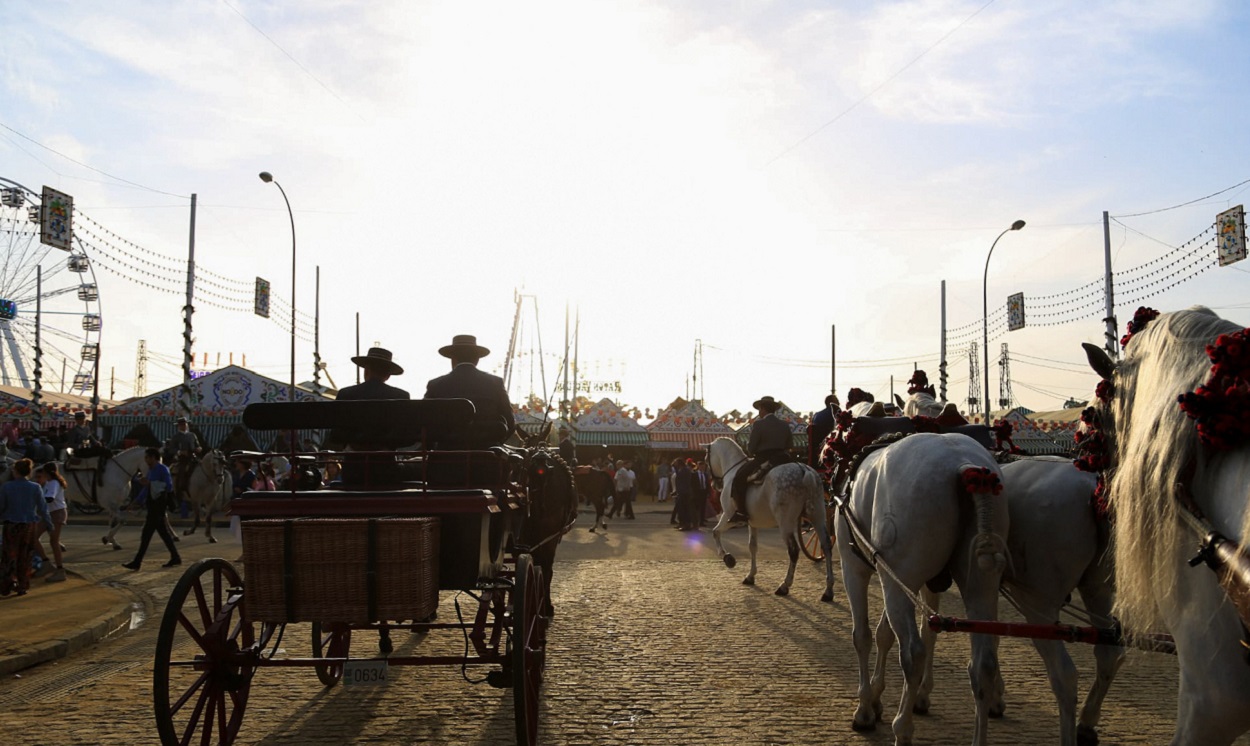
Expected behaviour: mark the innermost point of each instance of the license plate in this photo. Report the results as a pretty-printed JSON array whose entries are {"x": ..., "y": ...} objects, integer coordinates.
[{"x": 364, "y": 673}]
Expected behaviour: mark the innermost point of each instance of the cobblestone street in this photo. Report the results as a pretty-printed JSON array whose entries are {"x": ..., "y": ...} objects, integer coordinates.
[{"x": 671, "y": 650}]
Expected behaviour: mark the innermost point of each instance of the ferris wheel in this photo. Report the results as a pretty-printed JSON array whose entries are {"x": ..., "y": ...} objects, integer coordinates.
[{"x": 61, "y": 285}]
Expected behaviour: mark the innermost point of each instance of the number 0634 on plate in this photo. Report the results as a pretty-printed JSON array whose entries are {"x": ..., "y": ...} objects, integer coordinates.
[{"x": 364, "y": 673}]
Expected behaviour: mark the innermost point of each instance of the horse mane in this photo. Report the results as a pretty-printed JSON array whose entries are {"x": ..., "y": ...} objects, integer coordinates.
[{"x": 1154, "y": 443}]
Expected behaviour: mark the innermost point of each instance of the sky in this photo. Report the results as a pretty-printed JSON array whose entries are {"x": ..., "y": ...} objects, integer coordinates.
[{"x": 786, "y": 183}]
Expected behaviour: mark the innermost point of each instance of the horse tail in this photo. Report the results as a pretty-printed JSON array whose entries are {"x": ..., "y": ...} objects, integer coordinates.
[{"x": 989, "y": 549}]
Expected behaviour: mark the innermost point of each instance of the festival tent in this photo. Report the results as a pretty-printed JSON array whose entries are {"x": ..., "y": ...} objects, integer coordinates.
[
  {"x": 798, "y": 429},
  {"x": 217, "y": 403},
  {"x": 686, "y": 426},
  {"x": 606, "y": 424},
  {"x": 17, "y": 403},
  {"x": 1028, "y": 437}
]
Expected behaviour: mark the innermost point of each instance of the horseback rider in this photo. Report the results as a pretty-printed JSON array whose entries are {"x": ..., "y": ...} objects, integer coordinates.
[
  {"x": 183, "y": 451},
  {"x": 769, "y": 446},
  {"x": 84, "y": 445}
]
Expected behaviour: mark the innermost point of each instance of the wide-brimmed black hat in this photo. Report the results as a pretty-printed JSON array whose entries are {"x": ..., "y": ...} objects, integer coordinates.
[
  {"x": 80, "y": 415},
  {"x": 464, "y": 345},
  {"x": 766, "y": 402},
  {"x": 380, "y": 360},
  {"x": 181, "y": 421}
]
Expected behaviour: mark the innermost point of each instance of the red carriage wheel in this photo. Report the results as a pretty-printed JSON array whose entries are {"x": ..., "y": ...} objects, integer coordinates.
[
  {"x": 331, "y": 640},
  {"x": 809, "y": 540},
  {"x": 529, "y": 648},
  {"x": 205, "y": 658}
]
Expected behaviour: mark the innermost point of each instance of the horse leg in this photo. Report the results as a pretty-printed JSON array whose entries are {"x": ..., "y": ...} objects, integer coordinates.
[
  {"x": 792, "y": 547},
  {"x": 208, "y": 525},
  {"x": 826, "y": 544},
  {"x": 753, "y": 540},
  {"x": 1097, "y": 594},
  {"x": 115, "y": 522},
  {"x": 855, "y": 578},
  {"x": 721, "y": 522},
  {"x": 885, "y": 641},
  {"x": 929, "y": 638},
  {"x": 981, "y": 601},
  {"x": 911, "y": 655},
  {"x": 195, "y": 526}
]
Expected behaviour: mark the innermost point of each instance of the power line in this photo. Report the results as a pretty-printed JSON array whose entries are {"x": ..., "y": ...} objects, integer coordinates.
[
  {"x": 1183, "y": 204},
  {"x": 883, "y": 84},
  {"x": 88, "y": 166}
]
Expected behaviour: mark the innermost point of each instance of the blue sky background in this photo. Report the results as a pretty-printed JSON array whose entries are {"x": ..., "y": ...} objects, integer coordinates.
[{"x": 746, "y": 174}]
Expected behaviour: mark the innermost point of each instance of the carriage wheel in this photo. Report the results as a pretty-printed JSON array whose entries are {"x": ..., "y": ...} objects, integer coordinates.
[
  {"x": 331, "y": 640},
  {"x": 204, "y": 658},
  {"x": 809, "y": 540},
  {"x": 529, "y": 648}
]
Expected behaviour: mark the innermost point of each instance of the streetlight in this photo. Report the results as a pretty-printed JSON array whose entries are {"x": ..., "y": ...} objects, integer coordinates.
[
  {"x": 267, "y": 177},
  {"x": 985, "y": 316}
]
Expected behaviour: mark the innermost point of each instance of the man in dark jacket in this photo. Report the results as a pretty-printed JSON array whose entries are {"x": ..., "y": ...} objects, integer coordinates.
[
  {"x": 769, "y": 444},
  {"x": 376, "y": 367},
  {"x": 823, "y": 422},
  {"x": 493, "y": 422}
]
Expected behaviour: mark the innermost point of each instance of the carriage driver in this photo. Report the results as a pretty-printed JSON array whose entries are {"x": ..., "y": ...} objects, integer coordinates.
[
  {"x": 769, "y": 446},
  {"x": 487, "y": 392},
  {"x": 183, "y": 451}
]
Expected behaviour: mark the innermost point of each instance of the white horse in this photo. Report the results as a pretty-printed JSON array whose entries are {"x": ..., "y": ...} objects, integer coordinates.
[
  {"x": 1155, "y": 454},
  {"x": 906, "y": 501},
  {"x": 1055, "y": 549},
  {"x": 210, "y": 489},
  {"x": 787, "y": 491},
  {"x": 112, "y": 489}
]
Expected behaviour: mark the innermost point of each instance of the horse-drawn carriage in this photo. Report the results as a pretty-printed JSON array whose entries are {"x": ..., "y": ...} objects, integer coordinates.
[{"x": 371, "y": 554}]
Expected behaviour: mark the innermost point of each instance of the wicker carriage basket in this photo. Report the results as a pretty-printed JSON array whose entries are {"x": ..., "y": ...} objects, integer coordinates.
[{"x": 356, "y": 570}]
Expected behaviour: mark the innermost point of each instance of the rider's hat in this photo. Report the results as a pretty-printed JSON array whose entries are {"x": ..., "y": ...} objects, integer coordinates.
[
  {"x": 181, "y": 421},
  {"x": 464, "y": 345},
  {"x": 766, "y": 402},
  {"x": 378, "y": 359},
  {"x": 80, "y": 415}
]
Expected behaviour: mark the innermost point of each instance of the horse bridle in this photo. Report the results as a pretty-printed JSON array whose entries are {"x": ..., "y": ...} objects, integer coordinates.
[
  {"x": 220, "y": 469},
  {"x": 719, "y": 481}
]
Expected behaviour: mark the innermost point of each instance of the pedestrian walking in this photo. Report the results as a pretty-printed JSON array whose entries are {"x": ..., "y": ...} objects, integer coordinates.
[
  {"x": 53, "y": 485},
  {"x": 158, "y": 495},
  {"x": 663, "y": 471},
  {"x": 22, "y": 508},
  {"x": 683, "y": 482},
  {"x": 624, "y": 482}
]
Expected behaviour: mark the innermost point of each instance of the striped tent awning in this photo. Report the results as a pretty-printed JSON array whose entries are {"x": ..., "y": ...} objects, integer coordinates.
[
  {"x": 690, "y": 441},
  {"x": 610, "y": 438}
]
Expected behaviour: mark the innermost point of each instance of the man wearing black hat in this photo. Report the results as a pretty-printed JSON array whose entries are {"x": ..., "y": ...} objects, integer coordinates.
[
  {"x": 494, "y": 421},
  {"x": 182, "y": 450},
  {"x": 376, "y": 368},
  {"x": 769, "y": 444}
]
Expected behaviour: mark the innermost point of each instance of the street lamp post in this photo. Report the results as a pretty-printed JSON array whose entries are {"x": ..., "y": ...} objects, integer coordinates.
[
  {"x": 985, "y": 315},
  {"x": 267, "y": 177}
]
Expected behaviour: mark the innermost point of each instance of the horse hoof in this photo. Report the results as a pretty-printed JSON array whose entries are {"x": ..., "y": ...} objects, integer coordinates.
[
  {"x": 729, "y": 561},
  {"x": 116, "y": 547},
  {"x": 827, "y": 597},
  {"x": 996, "y": 711},
  {"x": 863, "y": 727},
  {"x": 782, "y": 591},
  {"x": 186, "y": 533},
  {"x": 1086, "y": 736},
  {"x": 104, "y": 540},
  {"x": 920, "y": 706},
  {"x": 748, "y": 581},
  {"x": 212, "y": 540}
]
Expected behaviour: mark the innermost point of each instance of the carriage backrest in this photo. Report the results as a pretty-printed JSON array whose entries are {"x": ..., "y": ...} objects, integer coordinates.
[{"x": 381, "y": 422}]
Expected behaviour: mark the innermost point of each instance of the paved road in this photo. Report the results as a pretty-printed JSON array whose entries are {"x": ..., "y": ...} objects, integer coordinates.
[{"x": 655, "y": 642}]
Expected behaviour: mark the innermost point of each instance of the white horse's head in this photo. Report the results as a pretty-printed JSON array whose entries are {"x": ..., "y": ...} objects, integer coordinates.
[{"x": 724, "y": 454}]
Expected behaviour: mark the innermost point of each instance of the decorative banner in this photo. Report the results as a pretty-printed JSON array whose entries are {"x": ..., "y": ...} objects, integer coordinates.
[
  {"x": 1231, "y": 225},
  {"x": 1015, "y": 312},
  {"x": 599, "y": 387},
  {"x": 56, "y": 219},
  {"x": 262, "y": 297}
]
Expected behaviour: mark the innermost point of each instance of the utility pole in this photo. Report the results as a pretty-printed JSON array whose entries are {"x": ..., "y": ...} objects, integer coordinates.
[
  {"x": 317, "y": 333},
  {"x": 974, "y": 380},
  {"x": 1112, "y": 344},
  {"x": 942, "y": 364},
  {"x": 141, "y": 369},
  {"x": 1005, "y": 396},
  {"x": 184, "y": 395}
]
